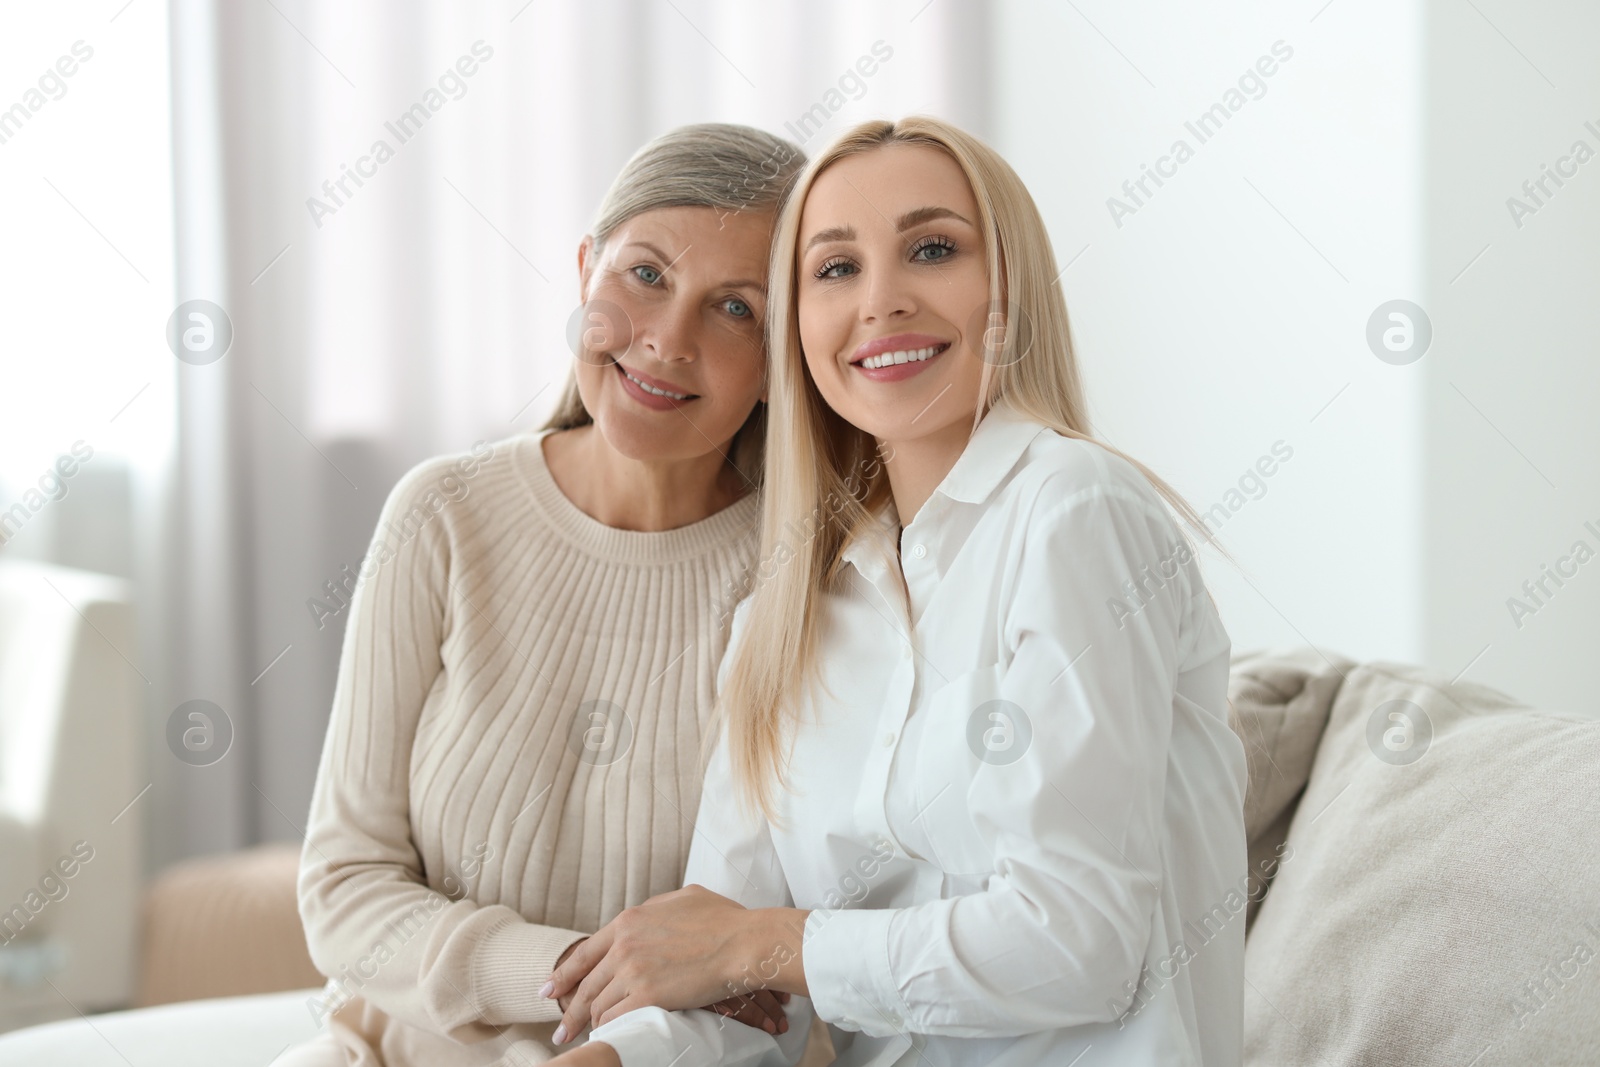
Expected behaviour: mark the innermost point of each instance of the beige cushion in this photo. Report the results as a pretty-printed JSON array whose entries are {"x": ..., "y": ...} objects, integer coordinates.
[
  {"x": 1280, "y": 702},
  {"x": 1440, "y": 911},
  {"x": 225, "y": 926}
]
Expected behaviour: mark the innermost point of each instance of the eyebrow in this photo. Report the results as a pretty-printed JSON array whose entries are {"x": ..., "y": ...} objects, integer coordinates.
[
  {"x": 738, "y": 283},
  {"x": 912, "y": 218}
]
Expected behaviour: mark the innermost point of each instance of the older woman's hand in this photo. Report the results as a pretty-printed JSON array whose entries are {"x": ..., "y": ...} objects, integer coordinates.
[
  {"x": 683, "y": 949},
  {"x": 762, "y": 1009},
  {"x": 566, "y": 954}
]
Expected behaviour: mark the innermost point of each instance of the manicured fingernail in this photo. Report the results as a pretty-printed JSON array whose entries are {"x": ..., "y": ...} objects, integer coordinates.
[
  {"x": 548, "y": 988},
  {"x": 769, "y": 1026},
  {"x": 560, "y": 1035}
]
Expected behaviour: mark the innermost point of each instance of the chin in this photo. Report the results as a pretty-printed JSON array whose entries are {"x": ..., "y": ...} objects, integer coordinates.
[
  {"x": 903, "y": 423},
  {"x": 635, "y": 438}
]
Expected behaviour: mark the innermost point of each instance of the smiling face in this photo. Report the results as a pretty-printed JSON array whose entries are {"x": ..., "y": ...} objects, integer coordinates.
[
  {"x": 671, "y": 360},
  {"x": 891, "y": 273}
]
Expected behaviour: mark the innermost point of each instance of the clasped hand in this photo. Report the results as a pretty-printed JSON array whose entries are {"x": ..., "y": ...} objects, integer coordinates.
[{"x": 676, "y": 950}]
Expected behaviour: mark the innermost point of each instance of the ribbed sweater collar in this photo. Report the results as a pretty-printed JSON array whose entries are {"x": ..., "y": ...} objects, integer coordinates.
[{"x": 595, "y": 538}]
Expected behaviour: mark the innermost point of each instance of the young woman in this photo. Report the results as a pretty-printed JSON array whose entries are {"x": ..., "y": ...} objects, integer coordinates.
[
  {"x": 976, "y": 798},
  {"x": 515, "y": 747}
]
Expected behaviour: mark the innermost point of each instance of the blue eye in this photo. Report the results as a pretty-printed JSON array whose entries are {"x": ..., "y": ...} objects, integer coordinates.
[
  {"x": 739, "y": 309},
  {"x": 828, "y": 268},
  {"x": 943, "y": 248},
  {"x": 648, "y": 275}
]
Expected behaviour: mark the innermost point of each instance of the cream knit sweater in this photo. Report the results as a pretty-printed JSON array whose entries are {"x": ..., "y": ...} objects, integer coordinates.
[{"x": 513, "y": 756}]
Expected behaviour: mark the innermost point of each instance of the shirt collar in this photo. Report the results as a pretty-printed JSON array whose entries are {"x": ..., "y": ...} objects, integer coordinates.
[
  {"x": 991, "y": 453},
  {"x": 1002, "y": 436}
]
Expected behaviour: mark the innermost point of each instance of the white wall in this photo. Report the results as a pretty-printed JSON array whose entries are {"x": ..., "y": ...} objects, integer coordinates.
[
  {"x": 1229, "y": 311},
  {"x": 1512, "y": 392}
]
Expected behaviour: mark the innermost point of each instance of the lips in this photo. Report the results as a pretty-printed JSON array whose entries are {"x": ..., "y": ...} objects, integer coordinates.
[
  {"x": 894, "y": 359},
  {"x": 656, "y": 385},
  {"x": 898, "y": 348}
]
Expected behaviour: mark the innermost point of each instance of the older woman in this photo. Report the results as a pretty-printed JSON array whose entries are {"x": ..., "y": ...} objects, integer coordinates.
[{"x": 514, "y": 755}]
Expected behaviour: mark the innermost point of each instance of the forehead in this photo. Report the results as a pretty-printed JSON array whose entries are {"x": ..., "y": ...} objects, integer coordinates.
[
  {"x": 883, "y": 183},
  {"x": 701, "y": 240}
]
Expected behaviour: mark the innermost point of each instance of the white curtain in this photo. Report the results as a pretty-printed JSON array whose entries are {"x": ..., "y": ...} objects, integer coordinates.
[{"x": 420, "y": 304}]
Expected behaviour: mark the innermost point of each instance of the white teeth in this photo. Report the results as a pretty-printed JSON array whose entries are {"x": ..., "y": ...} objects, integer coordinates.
[
  {"x": 652, "y": 389},
  {"x": 915, "y": 355}
]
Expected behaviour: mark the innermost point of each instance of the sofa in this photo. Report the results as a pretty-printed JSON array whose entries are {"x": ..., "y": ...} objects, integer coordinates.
[
  {"x": 1424, "y": 888},
  {"x": 1437, "y": 896},
  {"x": 73, "y": 792}
]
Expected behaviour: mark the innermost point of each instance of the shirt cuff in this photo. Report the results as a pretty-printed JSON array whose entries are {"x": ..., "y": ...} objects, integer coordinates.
[
  {"x": 511, "y": 965},
  {"x": 641, "y": 1037},
  {"x": 845, "y": 955}
]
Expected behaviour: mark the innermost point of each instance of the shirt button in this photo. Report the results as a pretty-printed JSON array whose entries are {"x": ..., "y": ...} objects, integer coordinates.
[
  {"x": 894, "y": 1021},
  {"x": 919, "y": 550},
  {"x": 888, "y": 740}
]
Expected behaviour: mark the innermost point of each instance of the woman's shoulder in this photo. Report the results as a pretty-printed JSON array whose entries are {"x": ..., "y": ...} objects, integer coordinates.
[
  {"x": 1059, "y": 472},
  {"x": 453, "y": 496},
  {"x": 465, "y": 464},
  {"x": 452, "y": 478},
  {"x": 1094, "y": 503}
]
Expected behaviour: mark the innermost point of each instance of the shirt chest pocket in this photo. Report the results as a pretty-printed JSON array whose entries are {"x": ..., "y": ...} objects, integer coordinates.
[{"x": 968, "y": 729}]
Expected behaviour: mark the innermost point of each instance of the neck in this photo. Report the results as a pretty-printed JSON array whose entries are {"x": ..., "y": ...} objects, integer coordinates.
[
  {"x": 645, "y": 495},
  {"x": 916, "y": 467}
]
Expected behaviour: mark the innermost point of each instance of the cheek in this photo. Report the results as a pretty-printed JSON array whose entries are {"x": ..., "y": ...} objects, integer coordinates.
[
  {"x": 819, "y": 340},
  {"x": 957, "y": 291},
  {"x": 735, "y": 364},
  {"x": 817, "y": 364},
  {"x": 606, "y": 324},
  {"x": 592, "y": 382}
]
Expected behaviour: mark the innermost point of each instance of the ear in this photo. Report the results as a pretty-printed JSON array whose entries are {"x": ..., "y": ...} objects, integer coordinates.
[{"x": 585, "y": 266}]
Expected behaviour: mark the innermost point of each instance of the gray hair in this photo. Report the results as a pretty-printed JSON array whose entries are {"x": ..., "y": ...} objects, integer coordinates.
[
  {"x": 717, "y": 165},
  {"x": 712, "y": 164}
]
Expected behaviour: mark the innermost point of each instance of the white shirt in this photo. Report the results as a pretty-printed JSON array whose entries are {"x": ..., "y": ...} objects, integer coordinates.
[{"x": 988, "y": 881}]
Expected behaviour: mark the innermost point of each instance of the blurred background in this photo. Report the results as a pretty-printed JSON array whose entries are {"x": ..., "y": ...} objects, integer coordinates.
[{"x": 1331, "y": 265}]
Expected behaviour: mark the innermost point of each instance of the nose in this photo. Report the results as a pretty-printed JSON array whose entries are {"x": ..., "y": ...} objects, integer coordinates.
[
  {"x": 672, "y": 333},
  {"x": 886, "y": 296}
]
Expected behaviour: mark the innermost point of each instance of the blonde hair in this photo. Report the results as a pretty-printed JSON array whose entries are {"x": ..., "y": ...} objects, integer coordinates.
[
  {"x": 823, "y": 475},
  {"x": 717, "y": 165}
]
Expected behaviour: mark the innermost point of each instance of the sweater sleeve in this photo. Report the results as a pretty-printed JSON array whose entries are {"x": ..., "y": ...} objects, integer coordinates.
[{"x": 373, "y": 924}]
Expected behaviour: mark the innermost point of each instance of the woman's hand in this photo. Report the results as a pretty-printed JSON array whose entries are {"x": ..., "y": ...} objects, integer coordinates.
[
  {"x": 566, "y": 953},
  {"x": 683, "y": 949},
  {"x": 762, "y": 1009}
]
